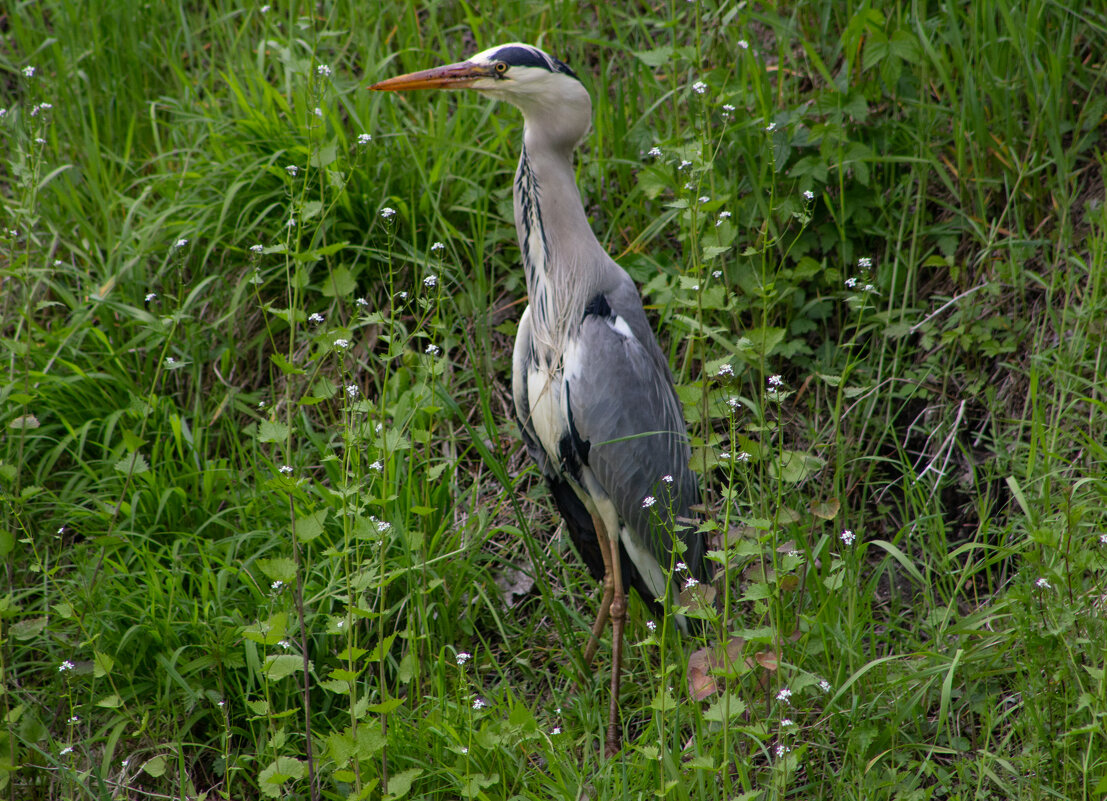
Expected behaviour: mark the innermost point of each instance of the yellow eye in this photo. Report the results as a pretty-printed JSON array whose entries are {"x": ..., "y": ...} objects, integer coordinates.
[{"x": 501, "y": 67}]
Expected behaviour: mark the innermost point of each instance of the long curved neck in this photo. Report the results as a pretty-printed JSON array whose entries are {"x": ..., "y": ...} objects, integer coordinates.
[{"x": 560, "y": 253}]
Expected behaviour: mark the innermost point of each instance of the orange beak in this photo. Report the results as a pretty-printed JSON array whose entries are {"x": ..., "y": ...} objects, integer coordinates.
[{"x": 451, "y": 76}]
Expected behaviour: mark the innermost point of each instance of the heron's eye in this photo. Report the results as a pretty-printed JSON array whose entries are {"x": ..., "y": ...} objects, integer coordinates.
[{"x": 501, "y": 67}]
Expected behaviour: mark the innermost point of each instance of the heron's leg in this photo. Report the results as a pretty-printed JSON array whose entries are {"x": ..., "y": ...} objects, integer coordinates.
[
  {"x": 618, "y": 618},
  {"x": 608, "y": 591}
]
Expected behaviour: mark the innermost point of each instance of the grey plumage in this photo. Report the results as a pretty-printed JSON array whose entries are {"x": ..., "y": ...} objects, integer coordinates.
[{"x": 593, "y": 393}]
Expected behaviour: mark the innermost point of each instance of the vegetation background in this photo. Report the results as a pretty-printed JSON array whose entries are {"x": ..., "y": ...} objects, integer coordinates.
[{"x": 266, "y": 526}]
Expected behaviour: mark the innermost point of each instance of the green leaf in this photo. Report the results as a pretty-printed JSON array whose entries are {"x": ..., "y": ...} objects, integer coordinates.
[
  {"x": 339, "y": 283},
  {"x": 382, "y": 648},
  {"x": 324, "y": 157},
  {"x": 155, "y": 766},
  {"x": 110, "y": 702},
  {"x": 132, "y": 464},
  {"x": 267, "y": 632},
  {"x": 655, "y": 58},
  {"x": 278, "y": 569},
  {"x": 101, "y": 664},
  {"x": 279, "y": 666},
  {"x": 795, "y": 466},
  {"x": 726, "y": 709},
  {"x": 284, "y": 365},
  {"x": 272, "y": 431},
  {"x": 400, "y": 784},
  {"x": 276, "y": 773},
  {"x": 308, "y": 527}
]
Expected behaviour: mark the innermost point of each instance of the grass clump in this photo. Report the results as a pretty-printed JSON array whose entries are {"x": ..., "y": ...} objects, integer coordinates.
[{"x": 266, "y": 527}]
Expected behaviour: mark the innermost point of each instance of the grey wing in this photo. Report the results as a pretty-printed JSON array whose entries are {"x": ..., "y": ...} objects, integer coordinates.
[{"x": 622, "y": 402}]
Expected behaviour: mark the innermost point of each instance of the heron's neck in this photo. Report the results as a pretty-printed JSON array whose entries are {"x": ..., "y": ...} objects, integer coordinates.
[{"x": 559, "y": 250}]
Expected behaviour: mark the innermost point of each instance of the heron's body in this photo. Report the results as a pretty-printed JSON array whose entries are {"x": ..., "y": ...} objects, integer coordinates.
[{"x": 593, "y": 393}]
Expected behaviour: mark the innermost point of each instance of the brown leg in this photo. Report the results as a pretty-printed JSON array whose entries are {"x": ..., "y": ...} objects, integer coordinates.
[
  {"x": 608, "y": 593},
  {"x": 618, "y": 619}
]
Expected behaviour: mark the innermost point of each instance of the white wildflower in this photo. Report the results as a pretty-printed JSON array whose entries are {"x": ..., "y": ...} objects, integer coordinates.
[
  {"x": 463, "y": 657},
  {"x": 848, "y": 536},
  {"x": 342, "y": 344},
  {"x": 316, "y": 318},
  {"x": 865, "y": 262},
  {"x": 430, "y": 281},
  {"x": 257, "y": 248},
  {"x": 28, "y": 71},
  {"x": 725, "y": 370},
  {"x": 351, "y": 390},
  {"x": 292, "y": 169},
  {"x": 1043, "y": 584},
  {"x": 808, "y": 195},
  {"x": 64, "y": 666},
  {"x": 323, "y": 70},
  {"x": 437, "y": 246},
  {"x": 654, "y": 152},
  {"x": 742, "y": 43},
  {"x": 286, "y": 469},
  {"x": 648, "y": 501},
  {"x": 433, "y": 349},
  {"x": 699, "y": 87},
  {"x": 180, "y": 243},
  {"x": 387, "y": 212},
  {"x": 784, "y": 695},
  {"x": 364, "y": 139}
]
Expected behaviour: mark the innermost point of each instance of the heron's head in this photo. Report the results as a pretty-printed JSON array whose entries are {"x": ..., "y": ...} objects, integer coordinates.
[{"x": 546, "y": 90}]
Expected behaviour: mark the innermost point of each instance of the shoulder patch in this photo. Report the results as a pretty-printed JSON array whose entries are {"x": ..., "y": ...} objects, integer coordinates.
[{"x": 597, "y": 307}]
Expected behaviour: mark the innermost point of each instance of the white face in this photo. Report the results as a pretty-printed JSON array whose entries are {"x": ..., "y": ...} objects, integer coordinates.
[{"x": 526, "y": 86}]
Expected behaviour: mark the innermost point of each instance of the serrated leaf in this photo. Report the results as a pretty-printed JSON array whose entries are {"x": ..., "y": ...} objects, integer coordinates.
[
  {"x": 112, "y": 701},
  {"x": 25, "y": 422},
  {"x": 339, "y": 283},
  {"x": 267, "y": 632},
  {"x": 382, "y": 648},
  {"x": 827, "y": 510},
  {"x": 279, "y": 666},
  {"x": 284, "y": 365},
  {"x": 276, "y": 773},
  {"x": 725, "y": 709},
  {"x": 384, "y": 707},
  {"x": 795, "y": 466},
  {"x": 278, "y": 569},
  {"x": 28, "y": 629},
  {"x": 155, "y": 766},
  {"x": 102, "y": 664},
  {"x": 132, "y": 464},
  {"x": 324, "y": 156},
  {"x": 308, "y": 527},
  {"x": 656, "y": 57},
  {"x": 272, "y": 431},
  {"x": 400, "y": 784}
]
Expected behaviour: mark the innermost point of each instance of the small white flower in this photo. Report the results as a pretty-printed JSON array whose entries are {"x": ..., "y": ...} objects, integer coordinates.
[
  {"x": 286, "y": 469},
  {"x": 180, "y": 243},
  {"x": 340, "y": 624},
  {"x": 704, "y": 199},
  {"x": 3, "y": 111},
  {"x": 689, "y": 186},
  {"x": 463, "y": 657},
  {"x": 784, "y": 695},
  {"x": 364, "y": 139},
  {"x": 690, "y": 583},
  {"x": 125, "y": 762},
  {"x": 824, "y": 685},
  {"x": 39, "y": 140},
  {"x": 402, "y": 295},
  {"x": 170, "y": 361},
  {"x": 316, "y": 318},
  {"x": 776, "y": 381},
  {"x": 342, "y": 343},
  {"x": 433, "y": 349},
  {"x": 725, "y": 370},
  {"x": 221, "y": 703},
  {"x": 851, "y": 283},
  {"x": 437, "y": 246},
  {"x": 782, "y": 750},
  {"x": 74, "y": 719},
  {"x": 68, "y": 749},
  {"x": 808, "y": 195},
  {"x": 351, "y": 390},
  {"x": 61, "y": 530},
  {"x": 734, "y": 403},
  {"x": 865, "y": 262},
  {"x": 292, "y": 169},
  {"x": 478, "y": 704},
  {"x": 387, "y": 212},
  {"x": 277, "y": 584},
  {"x": 151, "y": 297},
  {"x": 667, "y": 479},
  {"x": 648, "y": 501},
  {"x": 362, "y": 302},
  {"x": 1103, "y": 539},
  {"x": 742, "y": 457},
  {"x": 1043, "y": 584},
  {"x": 695, "y": 287},
  {"x": 29, "y": 71},
  {"x": 464, "y": 749},
  {"x": 868, "y": 288},
  {"x": 285, "y": 644},
  {"x": 257, "y": 248},
  {"x": 727, "y": 108},
  {"x": 291, "y": 223},
  {"x": 319, "y": 112},
  {"x": 430, "y": 281},
  {"x": 654, "y": 152},
  {"x": 651, "y": 625},
  {"x": 323, "y": 70},
  {"x": 770, "y": 127},
  {"x": 555, "y": 730},
  {"x": 699, "y": 87},
  {"x": 64, "y": 666},
  {"x": 377, "y": 466},
  {"x": 848, "y": 536},
  {"x": 680, "y": 566},
  {"x": 742, "y": 43},
  {"x": 724, "y": 456},
  {"x": 382, "y": 526},
  {"x": 264, "y": 9},
  {"x": 786, "y": 722},
  {"x": 684, "y": 163}
]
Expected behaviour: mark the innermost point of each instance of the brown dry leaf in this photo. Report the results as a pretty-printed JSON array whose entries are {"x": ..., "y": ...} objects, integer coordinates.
[
  {"x": 827, "y": 510},
  {"x": 701, "y": 683},
  {"x": 769, "y": 660}
]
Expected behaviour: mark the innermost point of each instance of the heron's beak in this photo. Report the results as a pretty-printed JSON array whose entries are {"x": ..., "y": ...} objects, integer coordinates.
[{"x": 452, "y": 76}]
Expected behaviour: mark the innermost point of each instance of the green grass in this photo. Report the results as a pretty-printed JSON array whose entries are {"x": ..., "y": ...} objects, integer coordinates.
[{"x": 257, "y": 550}]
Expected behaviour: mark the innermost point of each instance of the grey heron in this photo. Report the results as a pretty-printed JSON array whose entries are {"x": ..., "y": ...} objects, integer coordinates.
[{"x": 594, "y": 396}]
